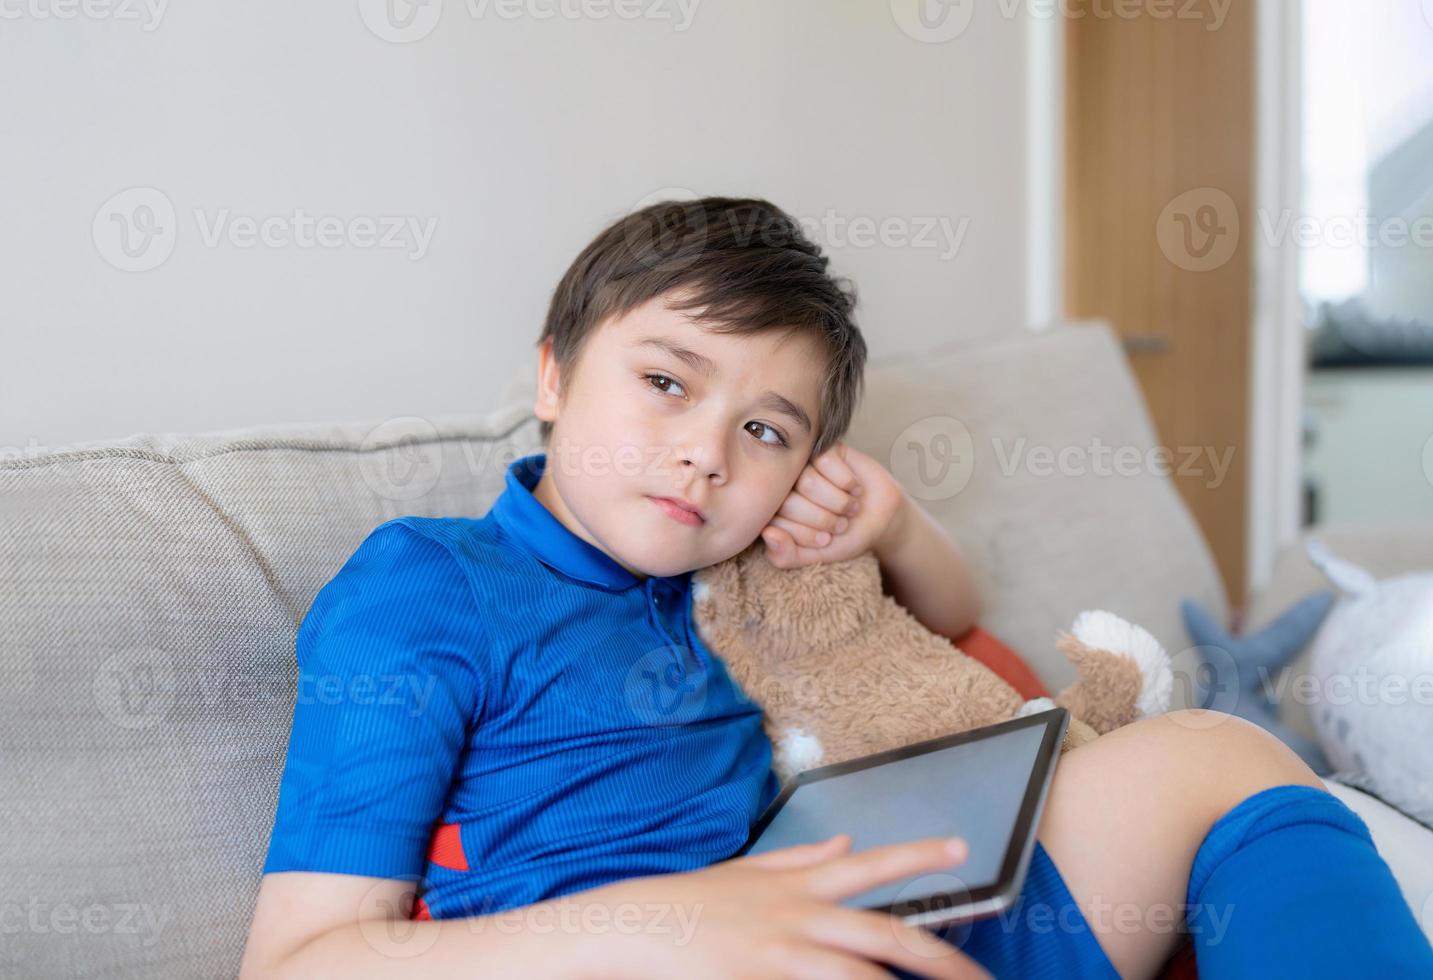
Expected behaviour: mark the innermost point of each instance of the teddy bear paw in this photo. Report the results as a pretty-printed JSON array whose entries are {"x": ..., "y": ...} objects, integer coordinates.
[
  {"x": 800, "y": 750},
  {"x": 1034, "y": 706},
  {"x": 1106, "y": 631}
]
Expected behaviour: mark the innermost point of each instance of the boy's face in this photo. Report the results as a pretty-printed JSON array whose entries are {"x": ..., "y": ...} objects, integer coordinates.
[{"x": 633, "y": 422}]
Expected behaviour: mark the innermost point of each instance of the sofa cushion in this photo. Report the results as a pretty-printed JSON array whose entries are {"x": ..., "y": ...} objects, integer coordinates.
[{"x": 1403, "y": 843}]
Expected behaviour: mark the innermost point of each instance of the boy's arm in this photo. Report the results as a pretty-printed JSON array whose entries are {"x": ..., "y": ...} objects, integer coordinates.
[
  {"x": 845, "y": 503},
  {"x": 310, "y": 925},
  {"x": 922, "y": 569},
  {"x": 774, "y": 913}
]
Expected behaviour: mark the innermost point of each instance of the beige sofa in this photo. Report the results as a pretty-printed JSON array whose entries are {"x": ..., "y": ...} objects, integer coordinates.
[{"x": 151, "y": 588}]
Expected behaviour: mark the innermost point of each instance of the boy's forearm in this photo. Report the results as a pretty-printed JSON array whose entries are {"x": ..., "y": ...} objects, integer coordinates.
[
  {"x": 464, "y": 947},
  {"x": 922, "y": 569}
]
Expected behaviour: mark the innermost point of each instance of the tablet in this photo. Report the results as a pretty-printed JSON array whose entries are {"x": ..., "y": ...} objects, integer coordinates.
[{"x": 987, "y": 785}]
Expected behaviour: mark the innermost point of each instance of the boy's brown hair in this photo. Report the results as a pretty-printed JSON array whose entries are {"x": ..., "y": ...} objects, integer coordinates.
[{"x": 743, "y": 262}]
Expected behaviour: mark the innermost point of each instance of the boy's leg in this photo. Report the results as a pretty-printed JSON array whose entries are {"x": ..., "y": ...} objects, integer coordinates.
[{"x": 1127, "y": 813}]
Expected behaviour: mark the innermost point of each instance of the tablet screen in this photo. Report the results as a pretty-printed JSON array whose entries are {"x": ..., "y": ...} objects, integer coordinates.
[{"x": 972, "y": 790}]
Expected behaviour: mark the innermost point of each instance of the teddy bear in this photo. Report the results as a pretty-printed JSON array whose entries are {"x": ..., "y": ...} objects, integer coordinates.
[{"x": 842, "y": 670}]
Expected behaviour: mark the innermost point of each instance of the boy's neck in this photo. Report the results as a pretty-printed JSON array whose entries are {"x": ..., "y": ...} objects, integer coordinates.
[{"x": 546, "y": 493}]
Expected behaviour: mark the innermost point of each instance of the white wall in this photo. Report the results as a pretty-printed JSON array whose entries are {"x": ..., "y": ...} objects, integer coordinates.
[{"x": 518, "y": 137}]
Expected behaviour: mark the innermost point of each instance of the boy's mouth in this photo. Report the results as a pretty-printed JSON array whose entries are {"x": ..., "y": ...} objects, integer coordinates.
[{"x": 679, "y": 510}]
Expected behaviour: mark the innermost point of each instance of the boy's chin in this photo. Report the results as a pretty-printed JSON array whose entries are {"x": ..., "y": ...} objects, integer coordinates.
[
  {"x": 659, "y": 563},
  {"x": 668, "y": 564},
  {"x": 706, "y": 561}
]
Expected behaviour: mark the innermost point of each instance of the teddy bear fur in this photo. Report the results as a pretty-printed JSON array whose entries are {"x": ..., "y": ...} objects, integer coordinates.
[{"x": 841, "y": 670}]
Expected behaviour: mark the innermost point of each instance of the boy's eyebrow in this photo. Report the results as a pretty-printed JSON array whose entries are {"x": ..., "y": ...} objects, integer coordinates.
[
  {"x": 700, "y": 362},
  {"x": 786, "y": 406},
  {"x": 693, "y": 360}
]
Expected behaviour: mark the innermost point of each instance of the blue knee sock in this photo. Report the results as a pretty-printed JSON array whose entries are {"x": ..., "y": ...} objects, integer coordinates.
[{"x": 1288, "y": 883}]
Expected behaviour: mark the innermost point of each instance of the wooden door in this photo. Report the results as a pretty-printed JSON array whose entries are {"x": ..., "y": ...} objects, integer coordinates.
[{"x": 1159, "y": 187}]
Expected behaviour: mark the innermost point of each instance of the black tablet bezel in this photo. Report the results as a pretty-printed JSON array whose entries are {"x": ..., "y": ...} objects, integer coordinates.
[{"x": 1022, "y": 837}]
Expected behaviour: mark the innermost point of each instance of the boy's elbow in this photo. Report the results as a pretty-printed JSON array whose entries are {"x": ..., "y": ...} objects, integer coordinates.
[{"x": 974, "y": 607}]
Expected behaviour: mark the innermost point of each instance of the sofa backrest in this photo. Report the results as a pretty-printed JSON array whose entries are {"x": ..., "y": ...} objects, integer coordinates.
[
  {"x": 151, "y": 589},
  {"x": 150, "y": 593}
]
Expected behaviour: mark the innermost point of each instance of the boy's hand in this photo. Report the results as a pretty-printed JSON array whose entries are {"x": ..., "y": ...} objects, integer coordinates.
[
  {"x": 777, "y": 915},
  {"x": 844, "y": 503}
]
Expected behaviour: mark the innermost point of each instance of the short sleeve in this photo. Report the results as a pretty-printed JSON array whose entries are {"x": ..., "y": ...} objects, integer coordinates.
[{"x": 389, "y": 688}]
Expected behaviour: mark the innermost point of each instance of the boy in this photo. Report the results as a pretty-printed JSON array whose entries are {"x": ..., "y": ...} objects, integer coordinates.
[{"x": 567, "y": 748}]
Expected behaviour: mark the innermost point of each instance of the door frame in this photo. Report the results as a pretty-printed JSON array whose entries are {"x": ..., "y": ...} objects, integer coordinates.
[{"x": 1277, "y": 335}]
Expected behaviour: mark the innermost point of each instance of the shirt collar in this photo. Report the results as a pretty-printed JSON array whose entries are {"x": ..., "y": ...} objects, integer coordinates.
[{"x": 529, "y": 521}]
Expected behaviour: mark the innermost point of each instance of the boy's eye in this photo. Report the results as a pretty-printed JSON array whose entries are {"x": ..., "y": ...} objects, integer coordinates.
[
  {"x": 664, "y": 384},
  {"x": 780, "y": 439},
  {"x": 655, "y": 379}
]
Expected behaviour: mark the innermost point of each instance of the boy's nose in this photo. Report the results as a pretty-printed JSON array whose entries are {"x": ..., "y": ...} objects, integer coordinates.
[{"x": 706, "y": 459}]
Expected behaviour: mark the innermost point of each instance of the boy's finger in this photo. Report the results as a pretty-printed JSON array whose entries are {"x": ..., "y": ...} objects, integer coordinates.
[
  {"x": 837, "y": 470},
  {"x": 852, "y": 874},
  {"x": 803, "y": 510},
  {"x": 786, "y": 553},
  {"x": 781, "y": 551},
  {"x": 778, "y": 545},
  {"x": 885, "y": 938},
  {"x": 806, "y": 537},
  {"x": 821, "y": 492},
  {"x": 821, "y": 963}
]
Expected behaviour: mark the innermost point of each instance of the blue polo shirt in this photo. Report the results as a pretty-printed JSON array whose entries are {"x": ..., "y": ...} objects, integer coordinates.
[{"x": 496, "y": 709}]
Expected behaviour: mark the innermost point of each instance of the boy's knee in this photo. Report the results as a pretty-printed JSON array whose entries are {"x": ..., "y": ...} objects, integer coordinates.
[
  {"x": 1196, "y": 760},
  {"x": 1224, "y": 756}
]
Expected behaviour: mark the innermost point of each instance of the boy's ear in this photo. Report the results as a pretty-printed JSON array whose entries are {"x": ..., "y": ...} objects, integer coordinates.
[{"x": 549, "y": 385}]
